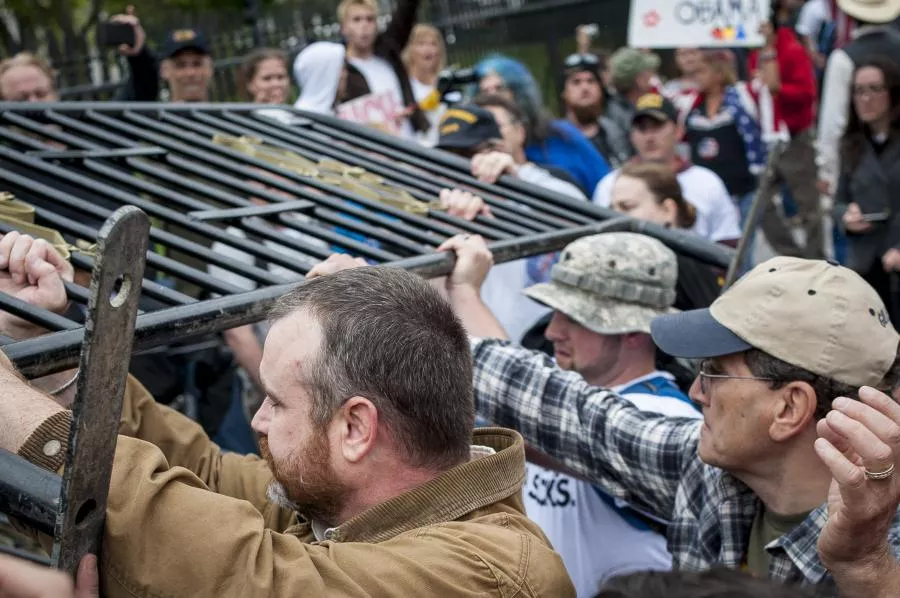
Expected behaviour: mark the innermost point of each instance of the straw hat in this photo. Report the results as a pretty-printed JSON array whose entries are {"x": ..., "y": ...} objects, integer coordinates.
[{"x": 871, "y": 11}]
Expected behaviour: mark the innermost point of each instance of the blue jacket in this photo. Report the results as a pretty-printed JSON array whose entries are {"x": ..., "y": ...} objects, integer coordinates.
[{"x": 568, "y": 149}]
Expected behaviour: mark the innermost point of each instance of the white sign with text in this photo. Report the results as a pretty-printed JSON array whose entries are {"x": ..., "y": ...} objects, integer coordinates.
[
  {"x": 696, "y": 23},
  {"x": 378, "y": 110}
]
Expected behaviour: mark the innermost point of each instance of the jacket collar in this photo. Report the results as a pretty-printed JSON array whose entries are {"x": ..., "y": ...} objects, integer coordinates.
[{"x": 457, "y": 492}]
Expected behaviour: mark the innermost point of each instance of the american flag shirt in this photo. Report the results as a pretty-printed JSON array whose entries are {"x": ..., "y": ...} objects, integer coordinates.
[{"x": 648, "y": 460}]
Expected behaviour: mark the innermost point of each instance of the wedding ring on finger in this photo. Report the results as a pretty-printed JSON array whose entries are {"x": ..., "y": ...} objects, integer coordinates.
[{"x": 880, "y": 475}]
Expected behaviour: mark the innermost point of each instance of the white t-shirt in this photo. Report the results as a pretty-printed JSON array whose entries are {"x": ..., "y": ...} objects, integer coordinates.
[
  {"x": 718, "y": 218},
  {"x": 594, "y": 541},
  {"x": 381, "y": 78},
  {"x": 502, "y": 289},
  {"x": 421, "y": 91},
  {"x": 813, "y": 15}
]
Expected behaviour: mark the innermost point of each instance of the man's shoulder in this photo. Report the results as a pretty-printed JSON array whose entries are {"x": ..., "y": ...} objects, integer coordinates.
[
  {"x": 501, "y": 546},
  {"x": 701, "y": 177}
]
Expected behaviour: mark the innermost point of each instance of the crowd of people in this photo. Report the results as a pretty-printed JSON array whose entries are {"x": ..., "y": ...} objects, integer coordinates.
[{"x": 579, "y": 423}]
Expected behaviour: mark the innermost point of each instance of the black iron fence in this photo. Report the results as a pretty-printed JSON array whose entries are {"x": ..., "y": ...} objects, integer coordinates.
[{"x": 243, "y": 198}]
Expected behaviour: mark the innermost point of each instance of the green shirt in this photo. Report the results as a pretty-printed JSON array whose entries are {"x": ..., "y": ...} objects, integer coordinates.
[{"x": 767, "y": 527}]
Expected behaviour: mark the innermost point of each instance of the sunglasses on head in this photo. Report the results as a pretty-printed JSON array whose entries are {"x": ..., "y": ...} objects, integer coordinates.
[{"x": 579, "y": 60}]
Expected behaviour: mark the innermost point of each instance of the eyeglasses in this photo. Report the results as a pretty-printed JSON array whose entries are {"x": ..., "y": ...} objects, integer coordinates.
[
  {"x": 870, "y": 90},
  {"x": 706, "y": 377},
  {"x": 576, "y": 60}
]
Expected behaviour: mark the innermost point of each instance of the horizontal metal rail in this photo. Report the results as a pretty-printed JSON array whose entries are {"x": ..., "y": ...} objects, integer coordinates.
[{"x": 44, "y": 355}]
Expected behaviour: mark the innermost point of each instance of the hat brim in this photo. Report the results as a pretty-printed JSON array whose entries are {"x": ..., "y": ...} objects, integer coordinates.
[
  {"x": 657, "y": 115},
  {"x": 695, "y": 334},
  {"x": 452, "y": 142},
  {"x": 884, "y": 13},
  {"x": 598, "y": 314}
]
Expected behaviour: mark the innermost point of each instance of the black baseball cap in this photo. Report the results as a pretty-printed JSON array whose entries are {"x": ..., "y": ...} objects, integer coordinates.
[
  {"x": 656, "y": 107},
  {"x": 467, "y": 126},
  {"x": 179, "y": 40}
]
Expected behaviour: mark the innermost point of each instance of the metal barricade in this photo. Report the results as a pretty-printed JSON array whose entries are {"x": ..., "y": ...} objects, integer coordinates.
[{"x": 243, "y": 201}]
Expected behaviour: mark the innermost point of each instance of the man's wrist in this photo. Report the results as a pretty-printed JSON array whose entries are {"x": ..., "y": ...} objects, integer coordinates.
[
  {"x": 464, "y": 292},
  {"x": 19, "y": 332},
  {"x": 875, "y": 575}
]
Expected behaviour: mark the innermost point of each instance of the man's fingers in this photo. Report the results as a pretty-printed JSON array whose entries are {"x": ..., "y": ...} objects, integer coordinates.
[
  {"x": 876, "y": 411},
  {"x": 463, "y": 242},
  {"x": 44, "y": 251},
  {"x": 876, "y": 454},
  {"x": 17, "y": 255},
  {"x": 6, "y": 245},
  {"x": 847, "y": 474},
  {"x": 336, "y": 262},
  {"x": 881, "y": 402},
  {"x": 451, "y": 244},
  {"x": 87, "y": 580},
  {"x": 20, "y": 578},
  {"x": 824, "y": 430}
]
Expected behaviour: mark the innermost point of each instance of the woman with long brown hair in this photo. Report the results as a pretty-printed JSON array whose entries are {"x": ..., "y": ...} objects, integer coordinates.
[
  {"x": 264, "y": 78},
  {"x": 650, "y": 191},
  {"x": 867, "y": 201}
]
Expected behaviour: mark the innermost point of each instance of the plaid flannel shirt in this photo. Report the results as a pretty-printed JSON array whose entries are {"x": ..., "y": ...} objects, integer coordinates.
[{"x": 649, "y": 460}]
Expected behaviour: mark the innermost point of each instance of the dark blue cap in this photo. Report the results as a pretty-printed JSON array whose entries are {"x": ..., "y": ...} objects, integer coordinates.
[
  {"x": 179, "y": 40},
  {"x": 466, "y": 127},
  {"x": 695, "y": 334}
]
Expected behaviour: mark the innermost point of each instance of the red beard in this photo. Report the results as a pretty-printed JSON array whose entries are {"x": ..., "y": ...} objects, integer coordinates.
[{"x": 309, "y": 480}]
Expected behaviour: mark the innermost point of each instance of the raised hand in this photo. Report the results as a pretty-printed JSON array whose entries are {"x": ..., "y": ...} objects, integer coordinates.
[{"x": 859, "y": 441}]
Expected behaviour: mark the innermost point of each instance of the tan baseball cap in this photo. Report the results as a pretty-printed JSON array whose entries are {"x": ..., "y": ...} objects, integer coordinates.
[{"x": 813, "y": 314}]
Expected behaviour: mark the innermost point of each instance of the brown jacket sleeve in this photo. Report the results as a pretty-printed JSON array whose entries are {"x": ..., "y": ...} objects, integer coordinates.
[
  {"x": 167, "y": 535},
  {"x": 184, "y": 444}
]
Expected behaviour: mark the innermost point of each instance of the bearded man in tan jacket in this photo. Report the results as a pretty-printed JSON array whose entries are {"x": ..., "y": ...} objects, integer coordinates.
[{"x": 372, "y": 483}]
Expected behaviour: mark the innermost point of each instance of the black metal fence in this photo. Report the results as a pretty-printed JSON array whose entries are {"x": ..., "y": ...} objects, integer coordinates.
[{"x": 244, "y": 198}]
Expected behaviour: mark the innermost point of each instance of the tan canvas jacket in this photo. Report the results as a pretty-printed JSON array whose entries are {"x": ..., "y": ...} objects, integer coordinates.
[{"x": 185, "y": 519}]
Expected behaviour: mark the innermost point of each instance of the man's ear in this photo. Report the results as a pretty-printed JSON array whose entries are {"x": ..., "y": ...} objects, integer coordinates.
[
  {"x": 793, "y": 411},
  {"x": 357, "y": 424}
]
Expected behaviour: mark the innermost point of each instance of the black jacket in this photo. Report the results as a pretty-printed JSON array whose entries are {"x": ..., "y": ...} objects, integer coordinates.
[
  {"x": 389, "y": 46},
  {"x": 874, "y": 185},
  {"x": 142, "y": 84}
]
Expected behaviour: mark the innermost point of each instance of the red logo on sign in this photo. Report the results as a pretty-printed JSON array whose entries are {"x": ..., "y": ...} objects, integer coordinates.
[{"x": 652, "y": 19}]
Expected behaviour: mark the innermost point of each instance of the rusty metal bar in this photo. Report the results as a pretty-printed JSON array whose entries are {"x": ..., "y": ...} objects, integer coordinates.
[{"x": 103, "y": 369}]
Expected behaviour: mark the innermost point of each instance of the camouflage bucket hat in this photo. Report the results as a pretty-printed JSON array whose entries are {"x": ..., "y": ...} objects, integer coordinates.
[{"x": 612, "y": 283}]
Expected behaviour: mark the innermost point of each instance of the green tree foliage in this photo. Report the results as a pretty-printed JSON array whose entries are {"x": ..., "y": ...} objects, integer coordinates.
[{"x": 60, "y": 26}]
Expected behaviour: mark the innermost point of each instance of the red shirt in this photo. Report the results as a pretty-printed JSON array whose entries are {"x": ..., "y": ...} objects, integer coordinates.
[{"x": 795, "y": 103}]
